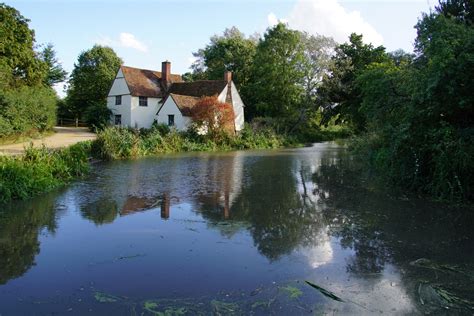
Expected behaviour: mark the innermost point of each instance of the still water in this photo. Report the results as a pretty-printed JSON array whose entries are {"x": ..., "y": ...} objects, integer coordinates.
[{"x": 234, "y": 233}]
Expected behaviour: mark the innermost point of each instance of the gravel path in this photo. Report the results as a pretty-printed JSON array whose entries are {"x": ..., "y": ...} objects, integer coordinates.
[{"x": 63, "y": 137}]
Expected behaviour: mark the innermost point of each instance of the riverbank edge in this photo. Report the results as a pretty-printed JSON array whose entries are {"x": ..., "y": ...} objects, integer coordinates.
[{"x": 40, "y": 169}]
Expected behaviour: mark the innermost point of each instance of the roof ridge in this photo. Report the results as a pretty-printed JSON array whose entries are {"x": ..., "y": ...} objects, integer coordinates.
[{"x": 147, "y": 70}]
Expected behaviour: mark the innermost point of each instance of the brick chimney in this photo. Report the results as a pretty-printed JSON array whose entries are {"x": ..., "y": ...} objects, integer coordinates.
[
  {"x": 166, "y": 72},
  {"x": 228, "y": 76}
]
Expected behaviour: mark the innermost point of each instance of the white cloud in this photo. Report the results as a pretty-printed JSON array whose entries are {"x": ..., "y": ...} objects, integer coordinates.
[
  {"x": 273, "y": 20},
  {"x": 129, "y": 40},
  {"x": 126, "y": 40},
  {"x": 192, "y": 60},
  {"x": 329, "y": 18}
]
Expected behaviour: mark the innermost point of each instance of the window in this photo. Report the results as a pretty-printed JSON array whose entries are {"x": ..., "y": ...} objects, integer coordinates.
[
  {"x": 170, "y": 120},
  {"x": 142, "y": 101},
  {"x": 118, "y": 119},
  {"x": 118, "y": 99}
]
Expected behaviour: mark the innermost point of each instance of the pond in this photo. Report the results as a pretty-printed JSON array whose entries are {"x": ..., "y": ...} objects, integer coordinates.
[{"x": 235, "y": 233}]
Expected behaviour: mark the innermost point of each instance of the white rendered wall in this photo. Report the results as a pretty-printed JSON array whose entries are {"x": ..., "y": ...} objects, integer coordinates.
[
  {"x": 119, "y": 87},
  {"x": 122, "y": 109},
  {"x": 238, "y": 108},
  {"x": 170, "y": 108},
  {"x": 143, "y": 116}
]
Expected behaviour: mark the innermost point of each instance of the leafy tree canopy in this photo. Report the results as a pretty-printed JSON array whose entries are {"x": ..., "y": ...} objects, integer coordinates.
[
  {"x": 231, "y": 51},
  {"x": 18, "y": 61},
  {"x": 277, "y": 76},
  {"x": 56, "y": 73},
  {"x": 91, "y": 79},
  {"x": 339, "y": 94}
]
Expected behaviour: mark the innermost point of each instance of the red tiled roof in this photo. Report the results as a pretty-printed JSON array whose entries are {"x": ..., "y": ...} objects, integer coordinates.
[
  {"x": 144, "y": 82},
  {"x": 199, "y": 88},
  {"x": 184, "y": 103}
]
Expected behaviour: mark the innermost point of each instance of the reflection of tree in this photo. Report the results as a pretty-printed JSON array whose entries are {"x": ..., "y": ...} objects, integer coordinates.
[
  {"x": 101, "y": 211},
  {"x": 270, "y": 202},
  {"x": 20, "y": 225},
  {"x": 380, "y": 228}
]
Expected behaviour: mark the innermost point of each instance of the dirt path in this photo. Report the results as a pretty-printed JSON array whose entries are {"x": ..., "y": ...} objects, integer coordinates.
[{"x": 63, "y": 137}]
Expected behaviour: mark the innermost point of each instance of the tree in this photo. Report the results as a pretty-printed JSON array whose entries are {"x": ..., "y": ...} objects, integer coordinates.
[
  {"x": 231, "y": 51},
  {"x": 18, "y": 60},
  {"x": 213, "y": 116},
  {"x": 56, "y": 73},
  {"x": 90, "y": 82},
  {"x": 26, "y": 105},
  {"x": 420, "y": 110},
  {"x": 340, "y": 96},
  {"x": 318, "y": 51},
  {"x": 277, "y": 78}
]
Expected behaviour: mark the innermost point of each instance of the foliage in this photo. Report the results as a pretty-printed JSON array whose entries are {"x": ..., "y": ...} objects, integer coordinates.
[
  {"x": 26, "y": 105},
  {"x": 119, "y": 143},
  {"x": 18, "y": 60},
  {"x": 339, "y": 94},
  {"x": 55, "y": 73},
  {"x": 231, "y": 51},
  {"x": 318, "y": 52},
  {"x": 214, "y": 117},
  {"x": 278, "y": 75},
  {"x": 41, "y": 170},
  {"x": 419, "y": 112},
  {"x": 277, "y": 78},
  {"x": 89, "y": 84},
  {"x": 26, "y": 109}
]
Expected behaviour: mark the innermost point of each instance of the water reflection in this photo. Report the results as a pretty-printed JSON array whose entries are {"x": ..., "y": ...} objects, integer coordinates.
[
  {"x": 20, "y": 226},
  {"x": 310, "y": 213}
]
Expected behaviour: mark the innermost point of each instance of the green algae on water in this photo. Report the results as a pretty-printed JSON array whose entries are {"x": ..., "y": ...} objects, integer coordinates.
[
  {"x": 105, "y": 298},
  {"x": 293, "y": 292}
]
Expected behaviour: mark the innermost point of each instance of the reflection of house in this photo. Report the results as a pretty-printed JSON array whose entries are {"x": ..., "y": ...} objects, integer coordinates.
[
  {"x": 134, "y": 204},
  {"x": 224, "y": 175},
  {"x": 165, "y": 206},
  {"x": 138, "y": 97}
]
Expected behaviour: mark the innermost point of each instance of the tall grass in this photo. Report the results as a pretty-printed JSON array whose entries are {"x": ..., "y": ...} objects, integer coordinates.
[
  {"x": 40, "y": 170},
  {"x": 118, "y": 143}
]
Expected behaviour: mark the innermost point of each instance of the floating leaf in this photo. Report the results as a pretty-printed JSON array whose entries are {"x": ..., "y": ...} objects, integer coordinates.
[
  {"x": 293, "y": 292},
  {"x": 437, "y": 296},
  {"x": 428, "y": 264},
  {"x": 325, "y": 292},
  {"x": 105, "y": 298},
  {"x": 224, "y": 308}
]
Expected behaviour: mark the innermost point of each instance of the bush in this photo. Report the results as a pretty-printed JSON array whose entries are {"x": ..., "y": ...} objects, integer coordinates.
[
  {"x": 120, "y": 143},
  {"x": 27, "y": 109},
  {"x": 41, "y": 170}
]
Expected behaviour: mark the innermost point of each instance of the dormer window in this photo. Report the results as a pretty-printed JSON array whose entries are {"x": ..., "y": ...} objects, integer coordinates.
[
  {"x": 118, "y": 100},
  {"x": 142, "y": 101}
]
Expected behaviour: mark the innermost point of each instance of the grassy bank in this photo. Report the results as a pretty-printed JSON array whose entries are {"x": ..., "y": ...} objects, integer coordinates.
[
  {"x": 119, "y": 143},
  {"x": 41, "y": 170},
  {"x": 441, "y": 168}
]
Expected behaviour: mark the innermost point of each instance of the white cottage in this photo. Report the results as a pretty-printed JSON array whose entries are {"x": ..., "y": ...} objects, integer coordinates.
[{"x": 138, "y": 97}]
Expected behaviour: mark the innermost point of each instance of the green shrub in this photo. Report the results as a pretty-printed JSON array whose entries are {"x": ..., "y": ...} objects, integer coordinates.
[
  {"x": 41, "y": 170},
  {"x": 120, "y": 143},
  {"x": 27, "y": 109}
]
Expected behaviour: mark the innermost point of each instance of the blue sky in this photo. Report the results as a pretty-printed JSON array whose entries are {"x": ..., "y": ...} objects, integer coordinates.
[{"x": 144, "y": 33}]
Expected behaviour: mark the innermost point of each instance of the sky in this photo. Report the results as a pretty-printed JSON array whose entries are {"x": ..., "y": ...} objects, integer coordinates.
[{"x": 145, "y": 33}]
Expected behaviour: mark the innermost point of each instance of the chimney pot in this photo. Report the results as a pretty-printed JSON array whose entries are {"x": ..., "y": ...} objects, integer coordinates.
[{"x": 228, "y": 76}]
